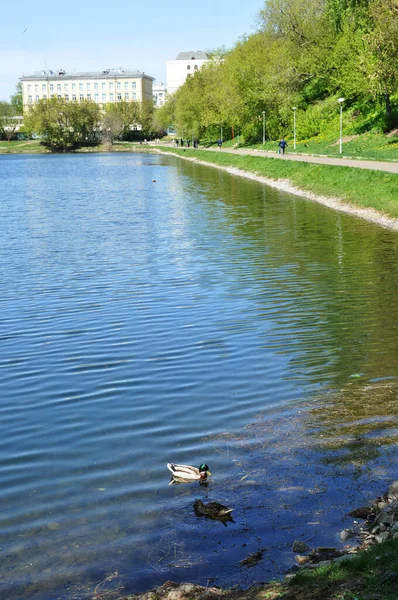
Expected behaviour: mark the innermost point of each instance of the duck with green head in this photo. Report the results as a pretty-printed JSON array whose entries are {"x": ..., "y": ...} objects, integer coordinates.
[{"x": 188, "y": 473}]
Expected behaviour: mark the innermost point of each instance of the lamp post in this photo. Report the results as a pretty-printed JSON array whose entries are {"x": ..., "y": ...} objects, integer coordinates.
[
  {"x": 341, "y": 100},
  {"x": 263, "y": 127},
  {"x": 221, "y": 134},
  {"x": 294, "y": 126}
]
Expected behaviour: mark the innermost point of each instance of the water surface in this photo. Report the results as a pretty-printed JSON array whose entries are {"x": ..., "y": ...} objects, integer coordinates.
[{"x": 154, "y": 310}]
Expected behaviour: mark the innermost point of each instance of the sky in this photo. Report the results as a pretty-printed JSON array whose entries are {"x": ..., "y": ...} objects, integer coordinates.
[{"x": 84, "y": 35}]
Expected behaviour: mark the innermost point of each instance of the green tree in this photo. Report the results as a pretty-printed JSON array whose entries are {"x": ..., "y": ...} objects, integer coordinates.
[
  {"x": 112, "y": 127},
  {"x": 126, "y": 113},
  {"x": 8, "y": 122},
  {"x": 64, "y": 126},
  {"x": 16, "y": 99},
  {"x": 146, "y": 118},
  {"x": 383, "y": 44}
]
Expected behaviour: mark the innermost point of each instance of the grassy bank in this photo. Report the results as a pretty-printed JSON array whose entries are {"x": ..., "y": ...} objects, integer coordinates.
[
  {"x": 358, "y": 187},
  {"x": 22, "y": 147},
  {"x": 370, "y": 146},
  {"x": 369, "y": 575}
]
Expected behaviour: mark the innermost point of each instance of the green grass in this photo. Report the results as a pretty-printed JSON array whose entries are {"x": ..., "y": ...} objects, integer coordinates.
[
  {"x": 22, "y": 147},
  {"x": 375, "y": 146},
  {"x": 372, "y": 574},
  {"x": 359, "y": 187}
]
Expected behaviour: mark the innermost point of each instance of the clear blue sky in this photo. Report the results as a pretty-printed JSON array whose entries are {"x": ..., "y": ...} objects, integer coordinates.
[{"x": 85, "y": 35}]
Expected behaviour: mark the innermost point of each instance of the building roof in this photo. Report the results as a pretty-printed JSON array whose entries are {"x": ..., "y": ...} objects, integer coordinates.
[
  {"x": 105, "y": 74},
  {"x": 193, "y": 55}
]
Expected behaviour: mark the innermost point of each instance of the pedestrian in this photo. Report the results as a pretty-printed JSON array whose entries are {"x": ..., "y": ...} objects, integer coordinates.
[
  {"x": 219, "y": 142},
  {"x": 282, "y": 145},
  {"x": 181, "y": 142}
]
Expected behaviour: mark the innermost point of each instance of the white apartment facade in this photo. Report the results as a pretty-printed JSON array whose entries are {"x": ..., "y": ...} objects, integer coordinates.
[
  {"x": 182, "y": 67},
  {"x": 103, "y": 87},
  {"x": 159, "y": 94}
]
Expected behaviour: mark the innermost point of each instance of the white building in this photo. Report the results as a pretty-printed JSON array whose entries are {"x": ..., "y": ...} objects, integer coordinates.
[
  {"x": 110, "y": 85},
  {"x": 159, "y": 94},
  {"x": 182, "y": 67}
]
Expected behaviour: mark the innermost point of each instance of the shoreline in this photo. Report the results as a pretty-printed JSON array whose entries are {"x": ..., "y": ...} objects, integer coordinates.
[{"x": 284, "y": 185}]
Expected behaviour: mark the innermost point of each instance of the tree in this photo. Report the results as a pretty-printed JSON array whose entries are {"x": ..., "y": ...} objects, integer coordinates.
[
  {"x": 64, "y": 126},
  {"x": 111, "y": 127},
  {"x": 146, "y": 118},
  {"x": 8, "y": 122},
  {"x": 383, "y": 44},
  {"x": 125, "y": 113},
  {"x": 16, "y": 100}
]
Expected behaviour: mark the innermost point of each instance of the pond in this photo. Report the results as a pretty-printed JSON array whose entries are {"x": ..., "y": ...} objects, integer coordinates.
[{"x": 152, "y": 311}]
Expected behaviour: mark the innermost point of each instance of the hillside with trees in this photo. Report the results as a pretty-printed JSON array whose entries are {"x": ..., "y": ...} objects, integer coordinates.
[{"x": 305, "y": 54}]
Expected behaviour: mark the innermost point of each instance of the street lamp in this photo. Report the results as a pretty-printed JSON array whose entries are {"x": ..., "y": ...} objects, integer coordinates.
[
  {"x": 341, "y": 100},
  {"x": 294, "y": 125},
  {"x": 263, "y": 127}
]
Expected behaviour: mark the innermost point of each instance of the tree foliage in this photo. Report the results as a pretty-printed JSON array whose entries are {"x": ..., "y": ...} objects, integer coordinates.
[
  {"x": 305, "y": 53},
  {"x": 8, "y": 121},
  {"x": 64, "y": 126}
]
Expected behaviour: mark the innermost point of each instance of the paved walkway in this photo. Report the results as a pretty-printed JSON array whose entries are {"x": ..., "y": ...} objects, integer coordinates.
[{"x": 375, "y": 165}]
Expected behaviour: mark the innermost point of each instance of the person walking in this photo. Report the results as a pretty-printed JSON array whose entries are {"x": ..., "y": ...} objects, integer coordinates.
[
  {"x": 282, "y": 145},
  {"x": 219, "y": 142}
]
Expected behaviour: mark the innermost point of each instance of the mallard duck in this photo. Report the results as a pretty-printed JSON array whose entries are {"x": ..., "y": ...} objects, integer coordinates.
[
  {"x": 188, "y": 473},
  {"x": 212, "y": 509}
]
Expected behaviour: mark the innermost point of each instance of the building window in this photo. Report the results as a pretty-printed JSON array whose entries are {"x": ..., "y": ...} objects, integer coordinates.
[
  {"x": 126, "y": 96},
  {"x": 66, "y": 87},
  {"x": 88, "y": 86},
  {"x": 134, "y": 96},
  {"x": 74, "y": 97},
  {"x": 43, "y": 87},
  {"x": 133, "y": 85},
  {"x": 119, "y": 85},
  {"x": 103, "y": 85},
  {"x": 81, "y": 87},
  {"x": 44, "y": 96},
  {"x": 195, "y": 68},
  {"x": 81, "y": 97},
  {"x": 30, "y": 99},
  {"x": 51, "y": 87},
  {"x": 59, "y": 96},
  {"x": 36, "y": 87},
  {"x": 36, "y": 98},
  {"x": 126, "y": 85},
  {"x": 29, "y": 87},
  {"x": 73, "y": 87},
  {"x": 111, "y": 97},
  {"x": 188, "y": 67},
  {"x": 88, "y": 96},
  {"x": 111, "y": 85},
  {"x": 96, "y": 97},
  {"x": 58, "y": 87},
  {"x": 67, "y": 97},
  {"x": 103, "y": 97},
  {"x": 96, "y": 86}
]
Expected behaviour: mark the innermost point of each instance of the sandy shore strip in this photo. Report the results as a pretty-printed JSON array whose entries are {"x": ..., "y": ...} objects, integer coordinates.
[{"x": 369, "y": 214}]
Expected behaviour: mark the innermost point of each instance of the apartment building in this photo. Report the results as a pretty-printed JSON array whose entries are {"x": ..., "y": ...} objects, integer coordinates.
[
  {"x": 110, "y": 85},
  {"x": 159, "y": 94},
  {"x": 182, "y": 67}
]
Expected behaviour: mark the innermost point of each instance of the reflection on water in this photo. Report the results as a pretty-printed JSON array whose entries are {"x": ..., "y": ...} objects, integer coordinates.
[{"x": 204, "y": 318}]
